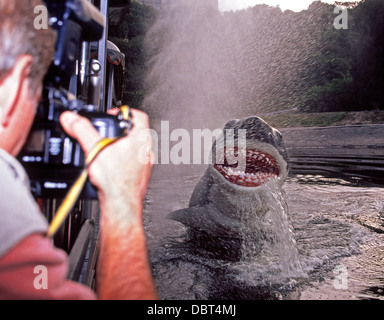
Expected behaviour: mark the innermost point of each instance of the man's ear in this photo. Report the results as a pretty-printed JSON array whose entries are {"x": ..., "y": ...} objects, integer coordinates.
[{"x": 12, "y": 86}]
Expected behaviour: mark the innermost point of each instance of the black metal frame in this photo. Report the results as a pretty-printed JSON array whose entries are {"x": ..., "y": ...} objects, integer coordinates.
[{"x": 79, "y": 236}]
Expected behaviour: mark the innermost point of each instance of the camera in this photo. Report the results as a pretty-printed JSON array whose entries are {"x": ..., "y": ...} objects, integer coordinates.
[{"x": 51, "y": 158}]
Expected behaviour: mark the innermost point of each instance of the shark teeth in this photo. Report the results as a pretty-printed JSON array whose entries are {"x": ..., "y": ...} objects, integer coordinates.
[
  {"x": 260, "y": 168},
  {"x": 246, "y": 179}
]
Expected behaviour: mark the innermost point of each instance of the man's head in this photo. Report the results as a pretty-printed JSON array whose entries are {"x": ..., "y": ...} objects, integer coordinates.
[{"x": 25, "y": 56}]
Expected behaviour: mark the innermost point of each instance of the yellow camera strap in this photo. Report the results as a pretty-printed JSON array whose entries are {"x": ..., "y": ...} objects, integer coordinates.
[{"x": 74, "y": 193}]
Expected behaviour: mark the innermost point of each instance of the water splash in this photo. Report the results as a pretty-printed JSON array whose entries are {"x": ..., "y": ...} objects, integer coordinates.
[
  {"x": 283, "y": 232},
  {"x": 268, "y": 240},
  {"x": 209, "y": 67}
]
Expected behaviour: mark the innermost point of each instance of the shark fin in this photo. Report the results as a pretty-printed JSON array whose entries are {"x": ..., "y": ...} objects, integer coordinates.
[{"x": 193, "y": 217}]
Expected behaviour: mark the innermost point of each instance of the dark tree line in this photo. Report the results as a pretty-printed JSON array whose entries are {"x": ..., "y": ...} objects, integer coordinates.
[
  {"x": 367, "y": 66},
  {"x": 350, "y": 63},
  {"x": 128, "y": 25},
  {"x": 267, "y": 60}
]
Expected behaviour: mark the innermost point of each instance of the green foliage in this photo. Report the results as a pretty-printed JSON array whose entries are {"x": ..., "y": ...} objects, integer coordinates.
[
  {"x": 367, "y": 39},
  {"x": 292, "y": 120},
  {"x": 349, "y": 65},
  {"x": 293, "y": 60},
  {"x": 332, "y": 96},
  {"x": 129, "y": 36}
]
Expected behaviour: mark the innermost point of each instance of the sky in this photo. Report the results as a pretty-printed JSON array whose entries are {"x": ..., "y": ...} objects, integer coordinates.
[{"x": 294, "y": 5}]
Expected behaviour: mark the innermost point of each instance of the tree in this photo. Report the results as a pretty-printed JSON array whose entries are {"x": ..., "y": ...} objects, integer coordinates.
[
  {"x": 350, "y": 64},
  {"x": 128, "y": 32},
  {"x": 367, "y": 39}
]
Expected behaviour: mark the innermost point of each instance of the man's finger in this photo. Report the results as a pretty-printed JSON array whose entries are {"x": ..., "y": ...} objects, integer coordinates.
[
  {"x": 140, "y": 118},
  {"x": 81, "y": 129}
]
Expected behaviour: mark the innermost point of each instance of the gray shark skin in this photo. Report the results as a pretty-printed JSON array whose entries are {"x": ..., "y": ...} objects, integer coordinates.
[{"x": 229, "y": 198}]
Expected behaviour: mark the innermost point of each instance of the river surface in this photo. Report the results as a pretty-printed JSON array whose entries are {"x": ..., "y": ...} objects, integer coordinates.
[{"x": 339, "y": 233}]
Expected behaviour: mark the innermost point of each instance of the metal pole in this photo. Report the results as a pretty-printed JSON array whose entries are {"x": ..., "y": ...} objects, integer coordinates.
[
  {"x": 102, "y": 57},
  {"x": 82, "y": 86}
]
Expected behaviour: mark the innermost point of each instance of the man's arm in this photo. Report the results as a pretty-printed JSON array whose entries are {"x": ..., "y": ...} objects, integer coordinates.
[
  {"x": 123, "y": 267},
  {"x": 121, "y": 176},
  {"x": 35, "y": 269}
]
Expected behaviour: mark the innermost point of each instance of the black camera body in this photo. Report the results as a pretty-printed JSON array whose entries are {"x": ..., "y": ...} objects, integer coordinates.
[{"x": 51, "y": 158}]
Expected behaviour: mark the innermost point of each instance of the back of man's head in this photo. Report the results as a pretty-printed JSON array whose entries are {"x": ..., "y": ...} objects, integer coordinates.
[{"x": 18, "y": 37}]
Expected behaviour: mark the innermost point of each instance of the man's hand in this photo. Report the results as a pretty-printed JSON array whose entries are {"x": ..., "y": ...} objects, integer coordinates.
[
  {"x": 123, "y": 168},
  {"x": 121, "y": 173}
]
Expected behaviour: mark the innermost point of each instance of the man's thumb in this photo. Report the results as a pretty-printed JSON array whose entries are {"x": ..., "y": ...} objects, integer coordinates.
[{"x": 81, "y": 129}]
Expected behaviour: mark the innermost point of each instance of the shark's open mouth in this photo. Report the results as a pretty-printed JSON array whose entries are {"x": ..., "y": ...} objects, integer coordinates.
[{"x": 260, "y": 168}]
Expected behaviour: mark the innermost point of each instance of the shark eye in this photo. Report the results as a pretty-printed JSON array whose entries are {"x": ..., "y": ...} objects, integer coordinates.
[{"x": 260, "y": 168}]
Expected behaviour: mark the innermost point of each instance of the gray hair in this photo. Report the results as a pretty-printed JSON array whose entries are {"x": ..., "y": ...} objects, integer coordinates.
[{"x": 18, "y": 37}]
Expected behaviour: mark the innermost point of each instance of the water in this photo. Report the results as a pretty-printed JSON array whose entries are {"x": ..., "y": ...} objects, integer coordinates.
[
  {"x": 209, "y": 67},
  {"x": 323, "y": 237},
  {"x": 330, "y": 245},
  {"x": 338, "y": 225}
]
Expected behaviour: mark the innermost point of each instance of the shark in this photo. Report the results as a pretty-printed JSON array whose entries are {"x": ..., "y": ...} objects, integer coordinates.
[{"x": 249, "y": 160}]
